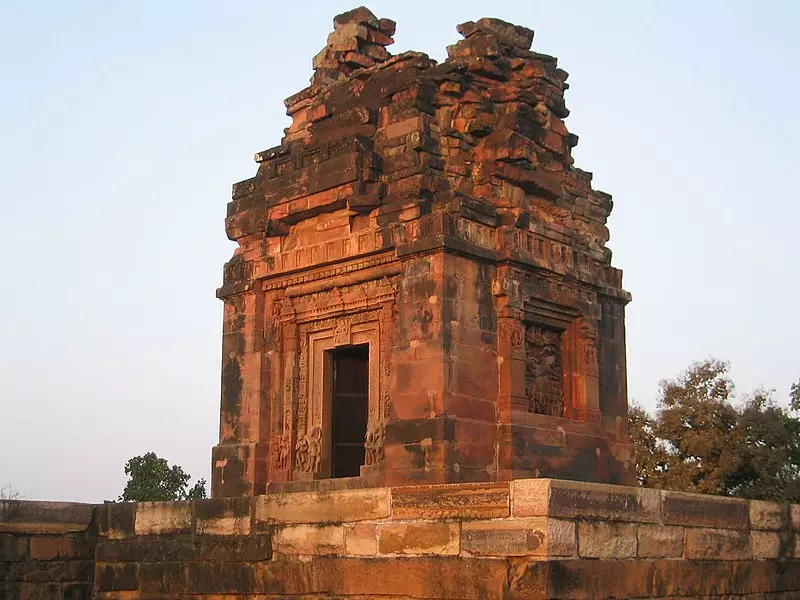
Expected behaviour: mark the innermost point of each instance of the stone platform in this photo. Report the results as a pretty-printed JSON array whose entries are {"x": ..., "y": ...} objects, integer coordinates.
[{"x": 534, "y": 538}]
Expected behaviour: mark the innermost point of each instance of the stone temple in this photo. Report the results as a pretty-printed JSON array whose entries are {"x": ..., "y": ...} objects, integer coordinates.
[
  {"x": 423, "y": 344},
  {"x": 422, "y": 291}
]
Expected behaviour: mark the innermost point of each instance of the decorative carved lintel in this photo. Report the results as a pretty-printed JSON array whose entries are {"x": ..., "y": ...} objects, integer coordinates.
[{"x": 341, "y": 332}]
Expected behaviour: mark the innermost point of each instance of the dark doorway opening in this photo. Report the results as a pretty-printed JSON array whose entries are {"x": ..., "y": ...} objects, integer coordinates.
[{"x": 350, "y": 406}]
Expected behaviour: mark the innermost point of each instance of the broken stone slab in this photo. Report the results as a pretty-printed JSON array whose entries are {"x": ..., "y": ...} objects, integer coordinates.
[
  {"x": 17, "y": 516},
  {"x": 340, "y": 40},
  {"x": 358, "y": 15},
  {"x": 506, "y": 33},
  {"x": 348, "y": 30},
  {"x": 387, "y": 26},
  {"x": 380, "y": 38},
  {"x": 376, "y": 52}
]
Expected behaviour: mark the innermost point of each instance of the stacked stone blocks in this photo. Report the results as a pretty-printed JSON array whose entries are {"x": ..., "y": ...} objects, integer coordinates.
[
  {"x": 47, "y": 550},
  {"x": 434, "y": 210},
  {"x": 537, "y": 538}
]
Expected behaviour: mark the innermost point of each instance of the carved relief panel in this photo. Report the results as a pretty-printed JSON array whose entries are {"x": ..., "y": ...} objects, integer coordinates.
[
  {"x": 544, "y": 377},
  {"x": 561, "y": 369}
]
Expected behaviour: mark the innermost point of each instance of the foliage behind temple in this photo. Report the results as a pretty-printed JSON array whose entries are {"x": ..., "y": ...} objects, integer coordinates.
[{"x": 701, "y": 441}]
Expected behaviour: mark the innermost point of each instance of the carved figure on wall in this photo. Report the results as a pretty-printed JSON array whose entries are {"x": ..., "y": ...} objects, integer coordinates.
[
  {"x": 516, "y": 342},
  {"x": 309, "y": 451},
  {"x": 274, "y": 450},
  {"x": 543, "y": 371},
  {"x": 590, "y": 355},
  {"x": 373, "y": 443},
  {"x": 284, "y": 448},
  {"x": 314, "y": 443},
  {"x": 301, "y": 454},
  {"x": 341, "y": 332}
]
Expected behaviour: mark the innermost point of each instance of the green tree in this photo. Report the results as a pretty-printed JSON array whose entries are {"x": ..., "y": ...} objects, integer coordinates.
[
  {"x": 151, "y": 479},
  {"x": 649, "y": 452},
  {"x": 699, "y": 441},
  {"x": 770, "y": 451},
  {"x": 697, "y": 421}
]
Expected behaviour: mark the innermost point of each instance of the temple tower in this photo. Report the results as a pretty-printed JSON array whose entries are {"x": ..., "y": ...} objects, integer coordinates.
[{"x": 421, "y": 291}]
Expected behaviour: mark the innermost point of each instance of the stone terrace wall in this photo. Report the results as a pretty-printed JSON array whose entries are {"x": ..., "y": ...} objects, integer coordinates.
[
  {"x": 46, "y": 550},
  {"x": 524, "y": 539}
]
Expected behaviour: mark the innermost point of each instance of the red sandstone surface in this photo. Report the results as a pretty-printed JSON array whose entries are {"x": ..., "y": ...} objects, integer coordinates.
[
  {"x": 431, "y": 215},
  {"x": 536, "y": 539}
]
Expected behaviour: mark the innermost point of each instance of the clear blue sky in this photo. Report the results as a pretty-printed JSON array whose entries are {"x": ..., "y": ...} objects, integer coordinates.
[{"x": 124, "y": 124}]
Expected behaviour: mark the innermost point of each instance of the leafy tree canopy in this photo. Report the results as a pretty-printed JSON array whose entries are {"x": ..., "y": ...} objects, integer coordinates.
[
  {"x": 151, "y": 479},
  {"x": 700, "y": 441}
]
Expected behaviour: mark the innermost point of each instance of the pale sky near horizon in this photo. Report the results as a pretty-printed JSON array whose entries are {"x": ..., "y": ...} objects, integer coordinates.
[{"x": 124, "y": 124}]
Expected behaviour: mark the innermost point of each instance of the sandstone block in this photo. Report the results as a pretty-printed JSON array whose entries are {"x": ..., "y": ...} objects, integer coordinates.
[
  {"x": 354, "y": 30},
  {"x": 52, "y": 547},
  {"x": 582, "y": 580},
  {"x": 343, "y": 40},
  {"x": 769, "y": 544},
  {"x": 575, "y": 499},
  {"x": 440, "y": 577},
  {"x": 376, "y": 52},
  {"x": 47, "y": 571},
  {"x": 404, "y": 127},
  {"x": 310, "y": 539},
  {"x": 116, "y": 520},
  {"x": 598, "y": 539},
  {"x": 768, "y": 515},
  {"x": 378, "y": 37},
  {"x": 167, "y": 578},
  {"x": 387, "y": 26},
  {"x": 532, "y": 536},
  {"x": 361, "y": 539},
  {"x": 116, "y": 577},
  {"x": 156, "y": 518},
  {"x": 717, "y": 544},
  {"x": 44, "y": 517},
  {"x": 185, "y": 548},
  {"x": 530, "y": 497},
  {"x": 222, "y": 516},
  {"x": 323, "y": 507},
  {"x": 794, "y": 516},
  {"x": 659, "y": 541},
  {"x": 325, "y": 60},
  {"x": 357, "y": 15},
  {"x": 471, "y": 501},
  {"x": 507, "y": 33},
  {"x": 698, "y": 510},
  {"x": 419, "y": 538},
  {"x": 13, "y": 548},
  {"x": 356, "y": 59}
]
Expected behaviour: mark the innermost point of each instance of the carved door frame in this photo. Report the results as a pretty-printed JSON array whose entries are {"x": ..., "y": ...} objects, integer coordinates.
[{"x": 313, "y": 422}]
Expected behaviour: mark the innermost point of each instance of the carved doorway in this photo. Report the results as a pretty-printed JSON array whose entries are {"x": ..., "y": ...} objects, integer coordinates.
[{"x": 350, "y": 409}]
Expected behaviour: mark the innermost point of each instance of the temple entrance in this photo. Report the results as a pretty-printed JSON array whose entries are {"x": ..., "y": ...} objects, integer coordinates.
[{"x": 350, "y": 409}]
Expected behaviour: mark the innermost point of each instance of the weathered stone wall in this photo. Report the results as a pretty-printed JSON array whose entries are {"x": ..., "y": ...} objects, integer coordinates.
[
  {"x": 521, "y": 539},
  {"x": 46, "y": 550},
  {"x": 433, "y": 212}
]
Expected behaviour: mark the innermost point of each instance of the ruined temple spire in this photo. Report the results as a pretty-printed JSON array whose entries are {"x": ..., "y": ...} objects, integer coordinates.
[
  {"x": 424, "y": 221},
  {"x": 359, "y": 40},
  {"x": 504, "y": 32}
]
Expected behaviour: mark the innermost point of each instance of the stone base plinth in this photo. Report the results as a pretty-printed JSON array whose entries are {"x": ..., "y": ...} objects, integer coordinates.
[{"x": 534, "y": 538}]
